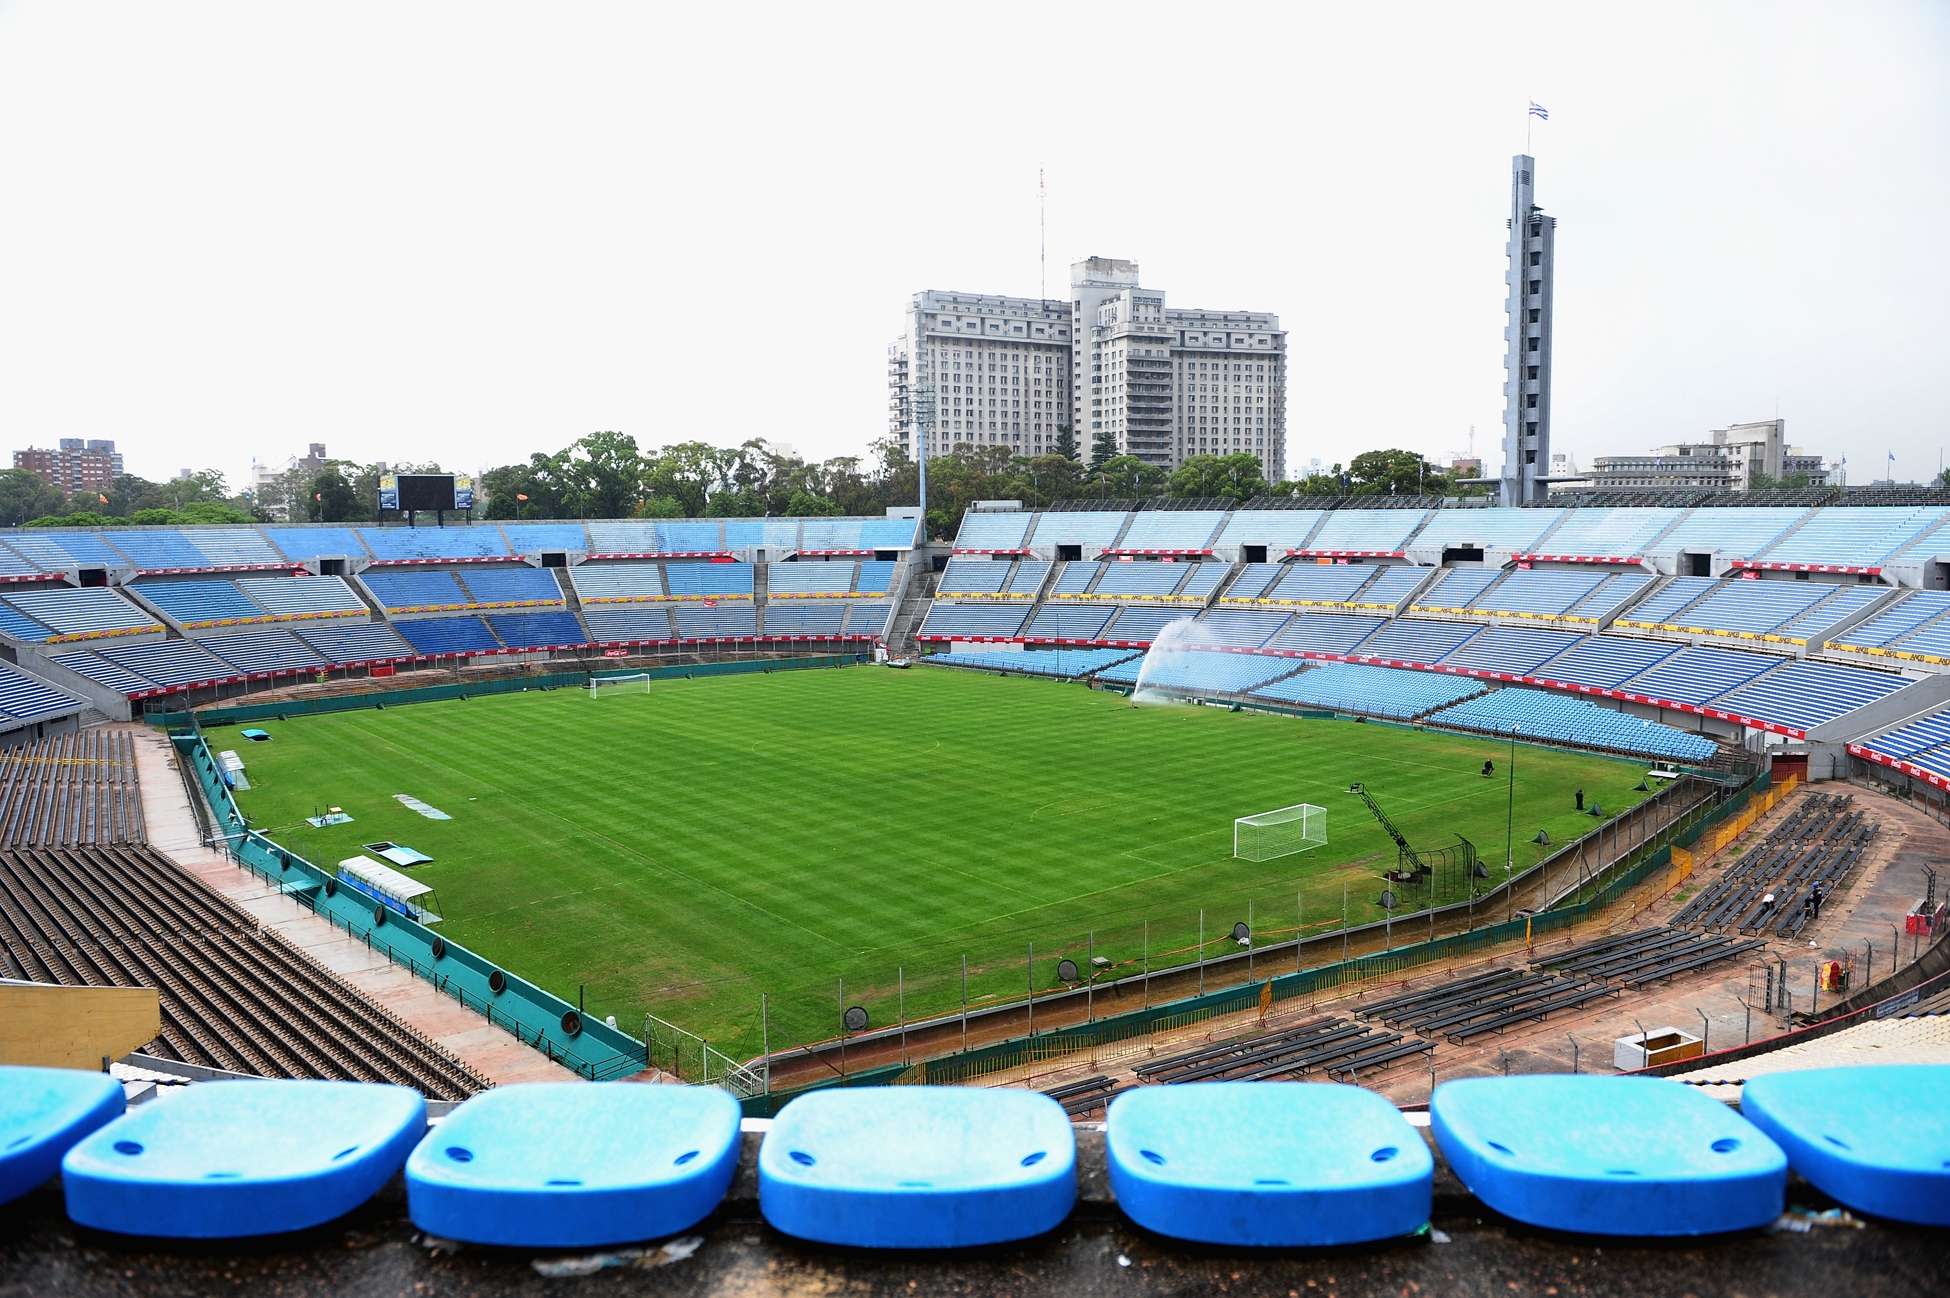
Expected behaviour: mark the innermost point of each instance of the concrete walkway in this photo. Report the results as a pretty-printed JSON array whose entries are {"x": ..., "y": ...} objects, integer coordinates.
[{"x": 173, "y": 831}]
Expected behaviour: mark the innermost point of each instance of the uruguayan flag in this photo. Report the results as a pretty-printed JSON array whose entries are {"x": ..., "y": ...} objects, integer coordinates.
[{"x": 1538, "y": 110}]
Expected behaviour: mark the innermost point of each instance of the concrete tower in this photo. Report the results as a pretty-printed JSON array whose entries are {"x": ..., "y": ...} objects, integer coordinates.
[{"x": 1532, "y": 251}]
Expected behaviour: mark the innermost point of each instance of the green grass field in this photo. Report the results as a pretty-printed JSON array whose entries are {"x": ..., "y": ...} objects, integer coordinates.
[{"x": 683, "y": 850}]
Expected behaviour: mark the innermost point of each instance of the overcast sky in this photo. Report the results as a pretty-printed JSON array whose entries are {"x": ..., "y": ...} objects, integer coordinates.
[{"x": 466, "y": 231}]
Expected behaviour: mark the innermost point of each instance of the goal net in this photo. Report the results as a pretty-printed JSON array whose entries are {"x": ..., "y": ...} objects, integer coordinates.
[
  {"x": 621, "y": 683},
  {"x": 1273, "y": 834}
]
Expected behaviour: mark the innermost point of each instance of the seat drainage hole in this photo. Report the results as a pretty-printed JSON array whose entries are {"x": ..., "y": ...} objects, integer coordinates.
[
  {"x": 1620, "y": 1171},
  {"x": 1836, "y": 1141},
  {"x": 1726, "y": 1145},
  {"x": 915, "y": 1185},
  {"x": 684, "y": 1158},
  {"x": 1272, "y": 1180},
  {"x": 460, "y": 1154},
  {"x": 347, "y": 1152},
  {"x": 802, "y": 1158},
  {"x": 1501, "y": 1149},
  {"x": 127, "y": 1147},
  {"x": 1385, "y": 1153},
  {"x": 1152, "y": 1156},
  {"x": 562, "y": 1180},
  {"x": 222, "y": 1176},
  {"x": 1030, "y": 1160}
]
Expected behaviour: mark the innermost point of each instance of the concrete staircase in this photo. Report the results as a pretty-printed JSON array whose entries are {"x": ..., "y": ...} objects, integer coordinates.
[{"x": 913, "y": 607}]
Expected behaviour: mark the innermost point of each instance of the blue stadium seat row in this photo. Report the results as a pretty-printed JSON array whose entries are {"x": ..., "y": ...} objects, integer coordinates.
[
  {"x": 1172, "y": 529},
  {"x": 274, "y": 649},
  {"x": 400, "y": 588},
  {"x": 1069, "y": 622},
  {"x": 804, "y": 618},
  {"x": 529, "y": 630},
  {"x": 509, "y": 584},
  {"x": 447, "y": 635},
  {"x": 81, "y": 611},
  {"x": 1699, "y": 674},
  {"x": 29, "y": 698},
  {"x": 1059, "y": 664},
  {"x": 1805, "y": 694},
  {"x": 1289, "y": 1164},
  {"x": 1564, "y": 718},
  {"x": 194, "y": 601},
  {"x": 1200, "y": 671},
  {"x": 1373, "y": 691}
]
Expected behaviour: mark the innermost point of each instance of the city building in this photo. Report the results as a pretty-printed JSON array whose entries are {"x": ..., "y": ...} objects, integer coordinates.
[
  {"x": 1164, "y": 383},
  {"x": 74, "y": 465},
  {"x": 1531, "y": 251},
  {"x": 1737, "y": 458},
  {"x": 269, "y": 483}
]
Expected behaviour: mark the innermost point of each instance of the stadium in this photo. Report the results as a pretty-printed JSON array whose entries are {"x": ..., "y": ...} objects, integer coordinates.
[{"x": 1090, "y": 802}]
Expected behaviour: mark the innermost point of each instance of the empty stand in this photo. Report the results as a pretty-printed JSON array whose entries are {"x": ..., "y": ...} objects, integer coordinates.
[
  {"x": 1566, "y": 719},
  {"x": 1372, "y": 691}
]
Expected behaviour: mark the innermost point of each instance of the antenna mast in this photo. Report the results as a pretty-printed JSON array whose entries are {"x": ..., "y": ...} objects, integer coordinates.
[{"x": 1042, "y": 236}]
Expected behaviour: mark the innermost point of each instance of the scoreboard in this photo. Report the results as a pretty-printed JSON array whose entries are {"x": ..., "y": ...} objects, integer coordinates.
[{"x": 409, "y": 492}]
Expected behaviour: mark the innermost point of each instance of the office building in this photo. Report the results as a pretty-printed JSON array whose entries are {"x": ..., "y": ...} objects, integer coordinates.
[
  {"x": 74, "y": 465},
  {"x": 1164, "y": 383},
  {"x": 1740, "y": 457}
]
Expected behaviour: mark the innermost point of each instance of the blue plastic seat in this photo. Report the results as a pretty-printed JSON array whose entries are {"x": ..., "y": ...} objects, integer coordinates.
[
  {"x": 1267, "y": 1163},
  {"x": 1878, "y": 1139},
  {"x": 918, "y": 1166},
  {"x": 243, "y": 1158},
  {"x": 1609, "y": 1155},
  {"x": 43, "y": 1112},
  {"x": 575, "y": 1165}
]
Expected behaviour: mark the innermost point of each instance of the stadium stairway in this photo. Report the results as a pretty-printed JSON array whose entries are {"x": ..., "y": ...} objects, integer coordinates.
[
  {"x": 916, "y": 597},
  {"x": 570, "y": 599},
  {"x": 142, "y": 601}
]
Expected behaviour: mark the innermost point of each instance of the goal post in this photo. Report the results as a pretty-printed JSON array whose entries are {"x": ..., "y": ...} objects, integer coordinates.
[
  {"x": 1273, "y": 834},
  {"x": 620, "y": 682}
]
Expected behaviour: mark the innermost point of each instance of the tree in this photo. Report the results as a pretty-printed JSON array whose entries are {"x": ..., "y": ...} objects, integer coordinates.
[
  {"x": 25, "y": 495},
  {"x": 804, "y": 504},
  {"x": 603, "y": 475},
  {"x": 1235, "y": 476},
  {"x": 1394, "y": 472},
  {"x": 1103, "y": 449},
  {"x": 1126, "y": 477},
  {"x": 329, "y": 498},
  {"x": 1066, "y": 441}
]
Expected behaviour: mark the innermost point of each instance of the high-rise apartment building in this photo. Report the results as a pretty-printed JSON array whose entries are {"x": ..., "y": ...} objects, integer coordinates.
[
  {"x": 1531, "y": 250},
  {"x": 1163, "y": 383},
  {"x": 74, "y": 464}
]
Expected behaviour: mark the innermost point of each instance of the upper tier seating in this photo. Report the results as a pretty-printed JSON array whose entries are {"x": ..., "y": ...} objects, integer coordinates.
[
  {"x": 1418, "y": 640},
  {"x": 711, "y": 579},
  {"x": 1317, "y": 583},
  {"x": 1605, "y": 661},
  {"x": 811, "y": 577},
  {"x": 534, "y": 538},
  {"x": 1029, "y": 576},
  {"x": 1059, "y": 664},
  {"x": 1332, "y": 633},
  {"x": 1456, "y": 589},
  {"x": 161, "y": 549},
  {"x": 617, "y": 580},
  {"x": 857, "y": 533},
  {"x": 223, "y": 546},
  {"x": 1143, "y": 622},
  {"x": 414, "y": 588},
  {"x": 1912, "y": 737},
  {"x": 874, "y": 577},
  {"x": 274, "y": 649},
  {"x": 1492, "y": 529},
  {"x": 966, "y": 576},
  {"x": 1381, "y": 531},
  {"x": 1844, "y": 603},
  {"x": 555, "y": 627},
  {"x": 1244, "y": 628},
  {"x": 512, "y": 584},
  {"x": 1544, "y": 592},
  {"x": 29, "y": 698},
  {"x": 301, "y": 596},
  {"x": 447, "y": 635},
  {"x": 1519, "y": 650},
  {"x": 1199, "y": 671},
  {"x": 302, "y": 543},
  {"x": 1930, "y": 642},
  {"x": 351, "y": 641},
  {"x": 1076, "y": 578},
  {"x": 1908, "y": 612},
  {"x": 1699, "y": 674},
  {"x": 1093, "y": 530},
  {"x": 973, "y": 621},
  {"x": 1664, "y": 604},
  {"x": 1203, "y": 579},
  {"x": 1750, "y": 606},
  {"x": 1140, "y": 579},
  {"x": 868, "y": 617},
  {"x": 1564, "y": 718},
  {"x": 67, "y": 548},
  {"x": 103, "y": 672},
  {"x": 1253, "y": 581},
  {"x": 642, "y": 536},
  {"x": 198, "y": 601},
  {"x": 81, "y": 612},
  {"x": 17, "y": 624},
  {"x": 1608, "y": 594},
  {"x": 992, "y": 531},
  {"x": 1279, "y": 530},
  {"x": 1390, "y": 586},
  {"x": 434, "y": 543},
  {"x": 1374, "y": 691},
  {"x": 1805, "y": 694},
  {"x": 12, "y": 565},
  {"x": 1854, "y": 535},
  {"x": 1731, "y": 533},
  {"x": 1172, "y": 529},
  {"x": 1605, "y": 533}
]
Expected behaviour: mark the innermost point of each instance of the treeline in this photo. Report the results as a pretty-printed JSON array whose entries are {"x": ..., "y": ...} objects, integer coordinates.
[{"x": 28, "y": 500}]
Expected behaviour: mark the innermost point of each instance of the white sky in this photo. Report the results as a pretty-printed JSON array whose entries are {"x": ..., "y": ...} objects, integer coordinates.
[{"x": 465, "y": 231}]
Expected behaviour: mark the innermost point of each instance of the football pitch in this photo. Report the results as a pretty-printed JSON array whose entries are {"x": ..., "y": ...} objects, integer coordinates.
[{"x": 684, "y": 849}]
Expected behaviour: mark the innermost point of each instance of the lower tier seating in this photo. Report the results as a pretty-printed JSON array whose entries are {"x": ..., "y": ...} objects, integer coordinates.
[
  {"x": 1563, "y": 718},
  {"x": 555, "y": 628},
  {"x": 1199, "y": 671},
  {"x": 1060, "y": 664},
  {"x": 1373, "y": 691},
  {"x": 447, "y": 635}
]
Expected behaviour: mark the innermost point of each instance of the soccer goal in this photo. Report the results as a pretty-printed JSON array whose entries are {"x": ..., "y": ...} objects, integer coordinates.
[
  {"x": 621, "y": 683},
  {"x": 1273, "y": 834}
]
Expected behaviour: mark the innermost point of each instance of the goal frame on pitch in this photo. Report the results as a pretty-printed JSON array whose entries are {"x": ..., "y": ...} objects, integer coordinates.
[
  {"x": 623, "y": 679},
  {"x": 1284, "y": 831}
]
